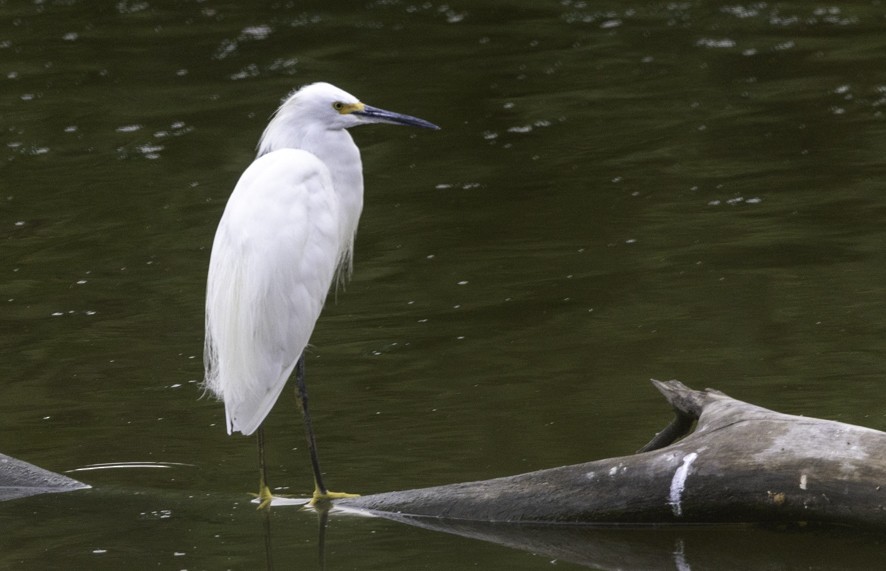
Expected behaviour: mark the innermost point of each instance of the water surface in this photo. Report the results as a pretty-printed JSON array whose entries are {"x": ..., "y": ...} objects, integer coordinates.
[{"x": 619, "y": 192}]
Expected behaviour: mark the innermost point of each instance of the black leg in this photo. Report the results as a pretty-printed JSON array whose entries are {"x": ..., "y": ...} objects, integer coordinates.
[
  {"x": 301, "y": 393},
  {"x": 264, "y": 492}
]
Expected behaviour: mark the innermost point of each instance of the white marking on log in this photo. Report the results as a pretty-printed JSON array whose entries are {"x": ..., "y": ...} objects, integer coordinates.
[
  {"x": 802, "y": 481},
  {"x": 678, "y": 483},
  {"x": 616, "y": 469}
]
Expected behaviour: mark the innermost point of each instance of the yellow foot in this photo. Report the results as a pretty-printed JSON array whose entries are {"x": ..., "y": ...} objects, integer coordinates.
[
  {"x": 324, "y": 498},
  {"x": 264, "y": 496}
]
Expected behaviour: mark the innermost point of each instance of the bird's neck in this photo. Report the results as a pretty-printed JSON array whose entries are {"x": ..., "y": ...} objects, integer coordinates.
[{"x": 336, "y": 149}]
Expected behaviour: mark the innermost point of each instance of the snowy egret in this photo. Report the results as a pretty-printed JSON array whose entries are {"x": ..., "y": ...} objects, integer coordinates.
[{"x": 286, "y": 233}]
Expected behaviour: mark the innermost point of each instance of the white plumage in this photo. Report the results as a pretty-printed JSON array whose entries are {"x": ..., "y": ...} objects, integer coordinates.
[
  {"x": 288, "y": 227},
  {"x": 269, "y": 265}
]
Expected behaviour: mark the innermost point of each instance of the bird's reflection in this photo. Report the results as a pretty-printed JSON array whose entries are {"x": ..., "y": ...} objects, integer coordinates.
[
  {"x": 322, "y": 520},
  {"x": 321, "y": 510},
  {"x": 269, "y": 552}
]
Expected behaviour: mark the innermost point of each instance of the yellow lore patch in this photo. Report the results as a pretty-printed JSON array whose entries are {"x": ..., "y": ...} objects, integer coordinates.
[{"x": 346, "y": 108}]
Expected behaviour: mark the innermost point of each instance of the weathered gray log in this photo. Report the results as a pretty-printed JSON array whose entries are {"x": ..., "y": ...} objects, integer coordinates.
[
  {"x": 18, "y": 479},
  {"x": 743, "y": 463}
]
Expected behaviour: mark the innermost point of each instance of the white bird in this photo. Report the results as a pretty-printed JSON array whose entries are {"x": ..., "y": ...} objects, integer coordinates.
[{"x": 286, "y": 232}]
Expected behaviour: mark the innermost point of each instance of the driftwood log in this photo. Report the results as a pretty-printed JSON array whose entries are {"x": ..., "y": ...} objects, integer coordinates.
[
  {"x": 18, "y": 479},
  {"x": 742, "y": 463}
]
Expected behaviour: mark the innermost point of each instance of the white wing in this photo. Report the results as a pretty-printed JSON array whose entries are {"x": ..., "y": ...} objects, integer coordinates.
[{"x": 273, "y": 260}]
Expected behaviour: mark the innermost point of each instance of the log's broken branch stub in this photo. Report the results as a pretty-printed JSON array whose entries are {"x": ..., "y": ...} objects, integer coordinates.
[
  {"x": 742, "y": 463},
  {"x": 687, "y": 409}
]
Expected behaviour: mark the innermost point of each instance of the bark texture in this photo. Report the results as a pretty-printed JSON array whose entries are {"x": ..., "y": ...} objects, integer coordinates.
[{"x": 742, "y": 463}]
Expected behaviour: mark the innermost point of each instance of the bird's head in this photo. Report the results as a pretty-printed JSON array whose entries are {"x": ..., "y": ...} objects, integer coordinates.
[
  {"x": 338, "y": 109},
  {"x": 320, "y": 108}
]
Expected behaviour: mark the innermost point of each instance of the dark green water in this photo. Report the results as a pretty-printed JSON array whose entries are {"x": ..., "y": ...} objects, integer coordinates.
[{"x": 620, "y": 191}]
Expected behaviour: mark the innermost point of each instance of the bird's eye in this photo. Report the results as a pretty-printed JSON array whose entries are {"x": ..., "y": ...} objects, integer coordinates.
[{"x": 338, "y": 105}]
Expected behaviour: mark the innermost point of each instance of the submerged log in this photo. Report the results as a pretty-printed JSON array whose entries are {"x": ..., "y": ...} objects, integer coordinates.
[
  {"x": 18, "y": 479},
  {"x": 742, "y": 463}
]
